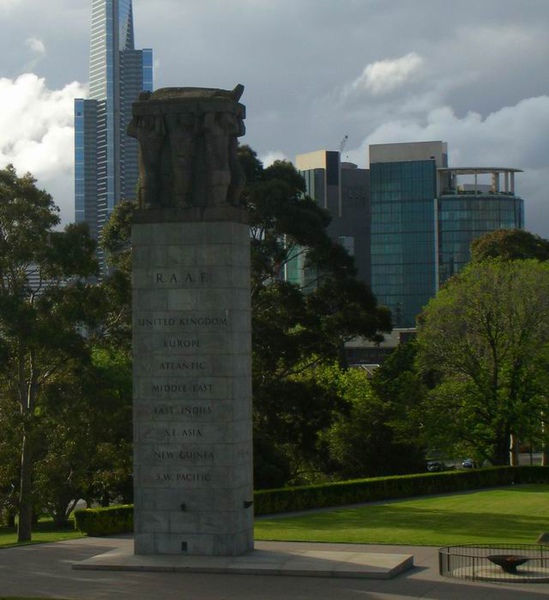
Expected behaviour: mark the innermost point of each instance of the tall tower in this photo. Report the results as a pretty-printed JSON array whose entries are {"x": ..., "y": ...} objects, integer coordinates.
[{"x": 106, "y": 168}]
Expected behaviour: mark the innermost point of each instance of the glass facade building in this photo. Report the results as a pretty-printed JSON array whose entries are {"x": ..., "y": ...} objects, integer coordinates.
[
  {"x": 106, "y": 168},
  {"x": 424, "y": 220},
  {"x": 403, "y": 188},
  {"x": 468, "y": 211}
]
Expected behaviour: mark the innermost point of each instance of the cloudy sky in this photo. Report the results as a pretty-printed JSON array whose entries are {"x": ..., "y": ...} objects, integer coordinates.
[{"x": 473, "y": 73}]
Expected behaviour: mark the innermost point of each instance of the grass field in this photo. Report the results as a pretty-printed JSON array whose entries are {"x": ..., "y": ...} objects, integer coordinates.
[
  {"x": 515, "y": 514},
  {"x": 43, "y": 532}
]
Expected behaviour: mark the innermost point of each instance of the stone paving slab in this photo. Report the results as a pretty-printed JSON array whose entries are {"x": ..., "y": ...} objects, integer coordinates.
[
  {"x": 266, "y": 559},
  {"x": 45, "y": 571}
]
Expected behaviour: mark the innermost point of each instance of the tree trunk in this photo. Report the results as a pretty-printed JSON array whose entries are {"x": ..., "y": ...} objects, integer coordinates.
[
  {"x": 513, "y": 450},
  {"x": 501, "y": 449},
  {"x": 24, "y": 528},
  {"x": 544, "y": 445}
]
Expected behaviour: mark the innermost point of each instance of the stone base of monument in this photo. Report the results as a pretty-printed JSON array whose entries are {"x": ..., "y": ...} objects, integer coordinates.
[
  {"x": 268, "y": 558},
  {"x": 192, "y": 411}
]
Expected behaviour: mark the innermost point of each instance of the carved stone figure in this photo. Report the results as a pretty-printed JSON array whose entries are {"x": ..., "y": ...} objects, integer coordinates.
[{"x": 188, "y": 147}]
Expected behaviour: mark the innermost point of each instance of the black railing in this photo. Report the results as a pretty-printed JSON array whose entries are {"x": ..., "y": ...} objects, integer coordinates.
[{"x": 496, "y": 562}]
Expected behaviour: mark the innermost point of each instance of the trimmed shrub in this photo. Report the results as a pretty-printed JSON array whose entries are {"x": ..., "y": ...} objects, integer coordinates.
[
  {"x": 394, "y": 487},
  {"x": 119, "y": 519},
  {"x": 104, "y": 521}
]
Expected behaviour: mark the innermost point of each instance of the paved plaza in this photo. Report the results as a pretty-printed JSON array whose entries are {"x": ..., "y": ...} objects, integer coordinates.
[{"x": 46, "y": 571}]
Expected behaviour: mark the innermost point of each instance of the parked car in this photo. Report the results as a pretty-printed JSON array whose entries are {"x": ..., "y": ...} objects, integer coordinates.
[
  {"x": 468, "y": 463},
  {"x": 433, "y": 466}
]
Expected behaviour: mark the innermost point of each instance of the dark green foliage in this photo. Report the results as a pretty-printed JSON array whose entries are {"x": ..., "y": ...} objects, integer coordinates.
[
  {"x": 119, "y": 519},
  {"x": 85, "y": 425},
  {"x": 43, "y": 313},
  {"x": 104, "y": 521},
  {"x": 484, "y": 338},
  {"x": 391, "y": 488},
  {"x": 510, "y": 244},
  {"x": 363, "y": 439},
  {"x": 295, "y": 329}
]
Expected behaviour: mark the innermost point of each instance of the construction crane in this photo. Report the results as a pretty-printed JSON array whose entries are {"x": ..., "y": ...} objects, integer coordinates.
[
  {"x": 340, "y": 199},
  {"x": 342, "y": 146}
]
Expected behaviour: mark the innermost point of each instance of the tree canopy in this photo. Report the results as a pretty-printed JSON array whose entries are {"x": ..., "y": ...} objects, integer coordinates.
[
  {"x": 43, "y": 310},
  {"x": 484, "y": 338},
  {"x": 509, "y": 244},
  {"x": 297, "y": 325}
]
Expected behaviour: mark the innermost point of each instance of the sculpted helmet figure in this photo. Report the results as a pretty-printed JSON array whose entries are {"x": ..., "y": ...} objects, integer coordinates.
[{"x": 188, "y": 142}]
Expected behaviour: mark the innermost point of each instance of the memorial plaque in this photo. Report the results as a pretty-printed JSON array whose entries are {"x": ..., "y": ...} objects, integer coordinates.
[{"x": 191, "y": 328}]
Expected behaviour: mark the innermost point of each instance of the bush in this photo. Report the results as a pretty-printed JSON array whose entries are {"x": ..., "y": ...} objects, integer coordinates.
[
  {"x": 119, "y": 519},
  {"x": 394, "y": 487},
  {"x": 104, "y": 521}
]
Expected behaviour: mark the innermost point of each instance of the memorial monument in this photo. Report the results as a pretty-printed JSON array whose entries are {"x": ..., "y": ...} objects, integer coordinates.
[{"x": 192, "y": 327}]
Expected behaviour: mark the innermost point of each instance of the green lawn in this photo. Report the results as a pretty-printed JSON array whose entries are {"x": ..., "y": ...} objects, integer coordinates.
[
  {"x": 43, "y": 532},
  {"x": 516, "y": 514}
]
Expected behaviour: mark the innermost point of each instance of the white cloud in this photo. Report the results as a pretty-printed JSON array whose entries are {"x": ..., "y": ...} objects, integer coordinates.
[
  {"x": 272, "y": 156},
  {"x": 385, "y": 76},
  {"x": 38, "y": 52},
  {"x": 35, "y": 45},
  {"x": 38, "y": 131},
  {"x": 514, "y": 136},
  {"x": 6, "y": 4}
]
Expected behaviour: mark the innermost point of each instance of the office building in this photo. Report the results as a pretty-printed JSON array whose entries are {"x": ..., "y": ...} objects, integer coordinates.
[
  {"x": 424, "y": 218},
  {"x": 472, "y": 202},
  {"x": 343, "y": 189},
  {"x": 106, "y": 169}
]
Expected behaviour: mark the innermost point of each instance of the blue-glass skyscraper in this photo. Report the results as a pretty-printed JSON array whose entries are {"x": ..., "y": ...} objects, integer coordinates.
[
  {"x": 106, "y": 168},
  {"x": 424, "y": 220}
]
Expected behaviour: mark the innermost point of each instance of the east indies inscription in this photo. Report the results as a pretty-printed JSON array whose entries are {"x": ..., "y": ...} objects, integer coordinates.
[{"x": 191, "y": 337}]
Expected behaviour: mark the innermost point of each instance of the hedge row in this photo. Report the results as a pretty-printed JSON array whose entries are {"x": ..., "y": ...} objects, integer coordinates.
[
  {"x": 387, "y": 488},
  {"x": 119, "y": 519},
  {"x": 104, "y": 520}
]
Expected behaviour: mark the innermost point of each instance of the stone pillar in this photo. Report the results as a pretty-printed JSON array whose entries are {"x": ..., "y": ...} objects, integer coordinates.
[{"x": 191, "y": 330}]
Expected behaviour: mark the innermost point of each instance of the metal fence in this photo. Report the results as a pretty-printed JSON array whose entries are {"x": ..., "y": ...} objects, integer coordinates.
[{"x": 520, "y": 563}]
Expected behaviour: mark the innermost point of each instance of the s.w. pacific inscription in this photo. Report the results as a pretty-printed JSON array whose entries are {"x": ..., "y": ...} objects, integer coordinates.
[{"x": 196, "y": 477}]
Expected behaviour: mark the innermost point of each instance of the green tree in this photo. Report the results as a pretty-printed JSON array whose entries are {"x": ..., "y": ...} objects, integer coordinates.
[
  {"x": 510, "y": 244},
  {"x": 86, "y": 442},
  {"x": 401, "y": 389},
  {"x": 296, "y": 329},
  {"x": 484, "y": 338},
  {"x": 372, "y": 436},
  {"x": 42, "y": 309}
]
